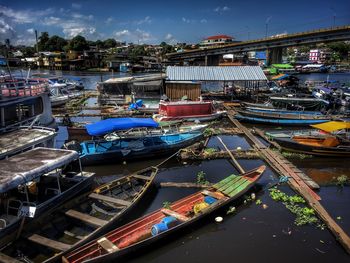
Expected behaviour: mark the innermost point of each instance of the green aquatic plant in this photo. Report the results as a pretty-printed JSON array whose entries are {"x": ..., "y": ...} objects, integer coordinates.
[
  {"x": 167, "y": 205},
  {"x": 296, "y": 205},
  {"x": 295, "y": 155},
  {"x": 210, "y": 150},
  {"x": 258, "y": 202},
  {"x": 341, "y": 180},
  {"x": 201, "y": 178},
  {"x": 208, "y": 132}
]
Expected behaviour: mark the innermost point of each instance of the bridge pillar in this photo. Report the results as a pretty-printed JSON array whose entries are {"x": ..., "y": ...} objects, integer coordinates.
[
  {"x": 212, "y": 60},
  {"x": 274, "y": 56}
]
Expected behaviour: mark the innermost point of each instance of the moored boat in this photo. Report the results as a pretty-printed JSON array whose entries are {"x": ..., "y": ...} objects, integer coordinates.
[
  {"x": 45, "y": 179},
  {"x": 280, "y": 121},
  {"x": 165, "y": 221},
  {"x": 83, "y": 219},
  {"x": 187, "y": 110},
  {"x": 320, "y": 144},
  {"x": 116, "y": 147}
]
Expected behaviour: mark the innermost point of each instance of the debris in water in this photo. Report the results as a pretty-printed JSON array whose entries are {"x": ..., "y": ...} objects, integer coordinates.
[
  {"x": 265, "y": 206},
  {"x": 218, "y": 219}
]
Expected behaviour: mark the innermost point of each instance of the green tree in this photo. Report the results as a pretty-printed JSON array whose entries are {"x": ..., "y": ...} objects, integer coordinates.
[
  {"x": 109, "y": 43},
  {"x": 43, "y": 39},
  {"x": 136, "y": 52},
  {"x": 340, "y": 48},
  {"x": 78, "y": 43},
  {"x": 28, "y": 51},
  {"x": 56, "y": 43}
]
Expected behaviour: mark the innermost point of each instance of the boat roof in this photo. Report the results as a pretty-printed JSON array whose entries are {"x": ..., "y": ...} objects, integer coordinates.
[
  {"x": 332, "y": 126},
  {"x": 26, "y": 166},
  {"x": 117, "y": 124}
]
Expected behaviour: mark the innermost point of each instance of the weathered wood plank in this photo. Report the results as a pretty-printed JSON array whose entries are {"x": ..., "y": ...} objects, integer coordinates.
[
  {"x": 53, "y": 244},
  {"x": 229, "y": 184},
  {"x": 213, "y": 194},
  {"x": 110, "y": 199},
  {"x": 185, "y": 185},
  {"x": 224, "y": 181},
  {"x": 107, "y": 245},
  {"x": 86, "y": 218},
  {"x": 174, "y": 214},
  {"x": 239, "y": 188},
  {"x": 142, "y": 177},
  {"x": 8, "y": 259},
  {"x": 233, "y": 187}
]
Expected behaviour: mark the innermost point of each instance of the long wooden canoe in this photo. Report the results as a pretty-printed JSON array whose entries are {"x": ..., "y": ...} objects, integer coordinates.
[
  {"x": 327, "y": 146},
  {"x": 84, "y": 218},
  {"x": 183, "y": 212}
]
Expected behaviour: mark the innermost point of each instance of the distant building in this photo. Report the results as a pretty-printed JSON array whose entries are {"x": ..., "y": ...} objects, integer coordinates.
[
  {"x": 314, "y": 55},
  {"x": 218, "y": 40},
  {"x": 319, "y": 55}
]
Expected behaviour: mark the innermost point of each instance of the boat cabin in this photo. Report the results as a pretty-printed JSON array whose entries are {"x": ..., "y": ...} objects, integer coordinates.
[
  {"x": 26, "y": 138},
  {"x": 44, "y": 179},
  {"x": 21, "y": 103}
]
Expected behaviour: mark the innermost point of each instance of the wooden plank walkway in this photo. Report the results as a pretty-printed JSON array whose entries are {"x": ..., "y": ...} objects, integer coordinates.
[{"x": 296, "y": 181}]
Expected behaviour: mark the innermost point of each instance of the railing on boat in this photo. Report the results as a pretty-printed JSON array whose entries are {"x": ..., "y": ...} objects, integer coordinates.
[{"x": 10, "y": 90}]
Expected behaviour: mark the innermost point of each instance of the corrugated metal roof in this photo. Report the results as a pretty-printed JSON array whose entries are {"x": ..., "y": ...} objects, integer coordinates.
[{"x": 215, "y": 73}]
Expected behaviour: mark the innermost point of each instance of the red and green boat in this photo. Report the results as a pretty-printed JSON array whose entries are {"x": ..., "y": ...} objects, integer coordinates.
[{"x": 164, "y": 221}]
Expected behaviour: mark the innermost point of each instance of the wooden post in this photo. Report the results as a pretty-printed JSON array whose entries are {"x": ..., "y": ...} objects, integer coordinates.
[{"x": 238, "y": 166}]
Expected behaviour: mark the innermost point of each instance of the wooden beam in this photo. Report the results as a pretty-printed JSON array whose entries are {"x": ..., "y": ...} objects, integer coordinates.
[
  {"x": 110, "y": 199},
  {"x": 53, "y": 244},
  {"x": 238, "y": 166},
  {"x": 86, "y": 218},
  {"x": 142, "y": 177},
  {"x": 169, "y": 212},
  {"x": 213, "y": 194},
  {"x": 8, "y": 259},
  {"x": 107, "y": 245}
]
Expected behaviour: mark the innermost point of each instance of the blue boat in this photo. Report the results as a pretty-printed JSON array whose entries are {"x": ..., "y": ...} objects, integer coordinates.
[
  {"x": 113, "y": 149},
  {"x": 287, "y": 122}
]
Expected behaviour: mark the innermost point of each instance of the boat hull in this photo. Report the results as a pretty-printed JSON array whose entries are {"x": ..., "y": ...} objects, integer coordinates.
[
  {"x": 120, "y": 155},
  {"x": 9, "y": 234},
  {"x": 293, "y": 146},
  {"x": 139, "y": 223},
  {"x": 284, "y": 122}
]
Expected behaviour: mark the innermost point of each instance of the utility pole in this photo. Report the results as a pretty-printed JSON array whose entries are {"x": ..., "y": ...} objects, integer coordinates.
[{"x": 37, "y": 47}]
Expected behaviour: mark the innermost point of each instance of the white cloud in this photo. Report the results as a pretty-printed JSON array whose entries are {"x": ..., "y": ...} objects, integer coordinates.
[
  {"x": 146, "y": 20},
  {"x": 203, "y": 21},
  {"x": 136, "y": 36},
  {"x": 24, "y": 16},
  {"x": 220, "y": 9},
  {"x": 76, "y": 5},
  {"x": 51, "y": 20},
  {"x": 185, "y": 20},
  {"x": 5, "y": 29},
  {"x": 109, "y": 20},
  {"x": 30, "y": 30},
  {"x": 170, "y": 39}
]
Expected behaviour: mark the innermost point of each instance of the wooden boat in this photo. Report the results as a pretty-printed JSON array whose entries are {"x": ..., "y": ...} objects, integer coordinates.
[
  {"x": 79, "y": 133},
  {"x": 162, "y": 222},
  {"x": 83, "y": 219},
  {"x": 115, "y": 148},
  {"x": 286, "y": 122},
  {"x": 44, "y": 180},
  {"x": 187, "y": 110},
  {"x": 322, "y": 144},
  {"x": 286, "y": 114}
]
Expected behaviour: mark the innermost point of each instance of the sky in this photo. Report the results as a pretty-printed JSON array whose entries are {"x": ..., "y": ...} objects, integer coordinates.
[{"x": 154, "y": 21}]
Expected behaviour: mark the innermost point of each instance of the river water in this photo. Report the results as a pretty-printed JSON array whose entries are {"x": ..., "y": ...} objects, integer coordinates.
[{"x": 251, "y": 234}]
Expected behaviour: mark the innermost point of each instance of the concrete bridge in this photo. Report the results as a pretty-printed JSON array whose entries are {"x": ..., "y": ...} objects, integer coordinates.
[{"x": 273, "y": 45}]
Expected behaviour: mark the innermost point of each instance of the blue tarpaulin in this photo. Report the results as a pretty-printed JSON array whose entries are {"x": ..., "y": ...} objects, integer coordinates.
[{"x": 116, "y": 124}]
